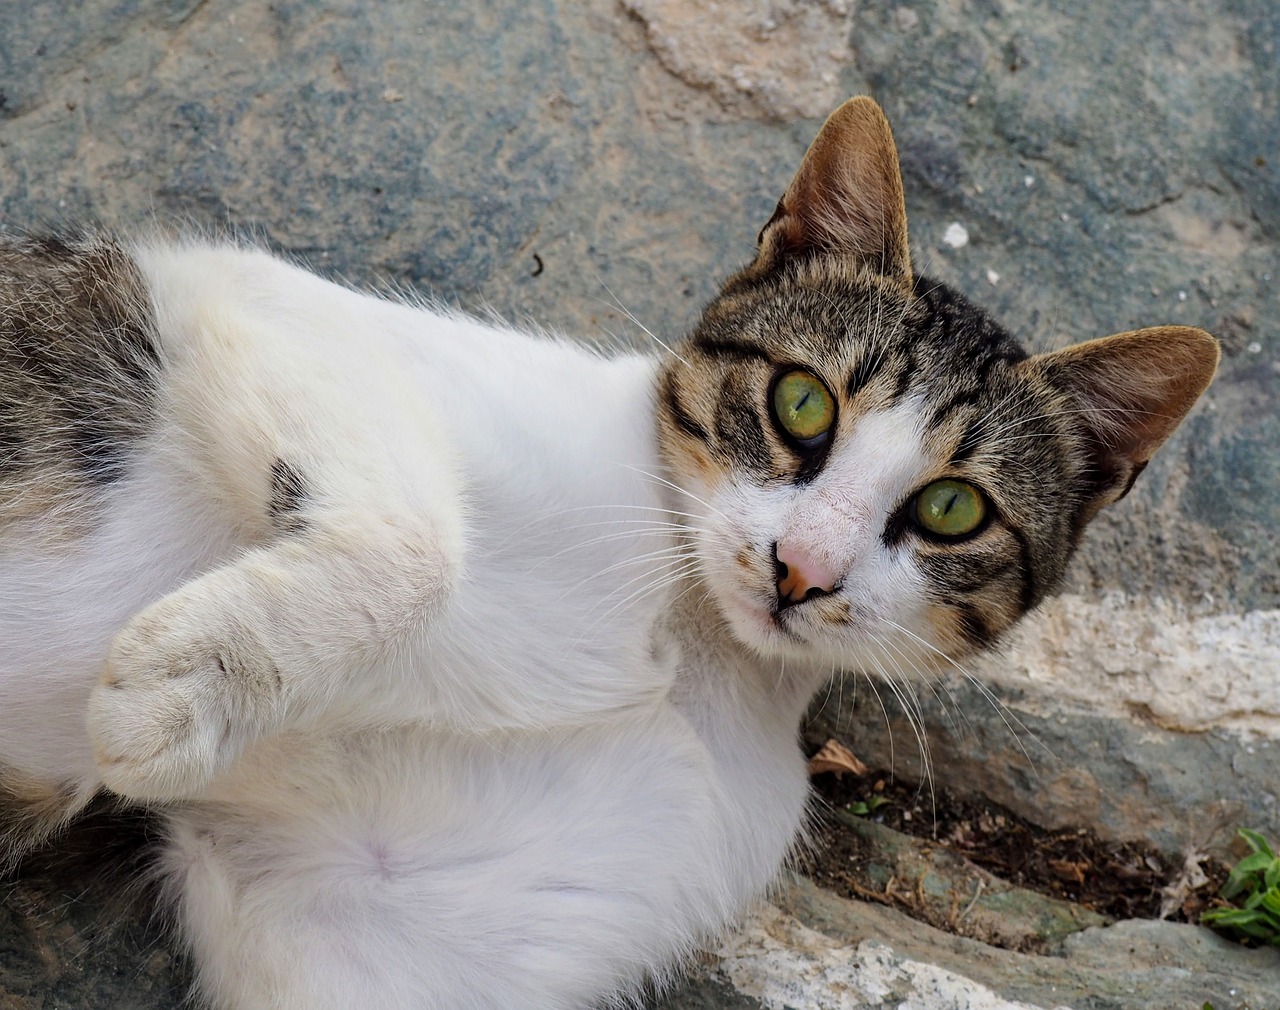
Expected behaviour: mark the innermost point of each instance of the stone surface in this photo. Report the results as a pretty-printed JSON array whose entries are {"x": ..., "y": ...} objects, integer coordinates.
[
  {"x": 594, "y": 164},
  {"x": 1131, "y": 965},
  {"x": 1061, "y": 766},
  {"x": 77, "y": 930},
  {"x": 945, "y": 889},
  {"x": 1121, "y": 655},
  {"x": 779, "y": 59},
  {"x": 788, "y": 966},
  {"x": 814, "y": 951}
]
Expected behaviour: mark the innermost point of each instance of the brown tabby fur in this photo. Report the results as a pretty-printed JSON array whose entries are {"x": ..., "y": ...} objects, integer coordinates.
[
  {"x": 78, "y": 365},
  {"x": 1049, "y": 439}
]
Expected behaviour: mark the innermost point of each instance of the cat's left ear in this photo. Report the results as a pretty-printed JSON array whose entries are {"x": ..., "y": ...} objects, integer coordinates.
[
  {"x": 1132, "y": 391},
  {"x": 846, "y": 198}
]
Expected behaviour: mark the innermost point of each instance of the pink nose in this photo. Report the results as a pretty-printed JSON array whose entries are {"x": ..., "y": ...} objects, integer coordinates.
[{"x": 800, "y": 577}]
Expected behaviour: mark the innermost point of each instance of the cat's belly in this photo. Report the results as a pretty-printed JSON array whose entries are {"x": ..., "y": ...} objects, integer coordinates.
[{"x": 531, "y": 869}]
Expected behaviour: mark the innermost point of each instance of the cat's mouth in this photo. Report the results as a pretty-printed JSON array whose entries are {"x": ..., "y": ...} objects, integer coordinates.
[
  {"x": 764, "y": 625},
  {"x": 832, "y": 625},
  {"x": 783, "y": 621}
]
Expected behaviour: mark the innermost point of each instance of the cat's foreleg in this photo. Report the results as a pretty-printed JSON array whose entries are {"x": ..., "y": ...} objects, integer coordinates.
[{"x": 286, "y": 631}]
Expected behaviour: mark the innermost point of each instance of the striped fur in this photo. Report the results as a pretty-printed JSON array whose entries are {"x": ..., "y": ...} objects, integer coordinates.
[
  {"x": 78, "y": 370},
  {"x": 1049, "y": 439}
]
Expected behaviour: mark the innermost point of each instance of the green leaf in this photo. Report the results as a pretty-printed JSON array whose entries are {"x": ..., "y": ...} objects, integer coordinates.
[
  {"x": 1271, "y": 900},
  {"x": 860, "y": 808},
  {"x": 1256, "y": 842},
  {"x": 1254, "y": 886},
  {"x": 1228, "y": 916},
  {"x": 1244, "y": 876},
  {"x": 1248, "y": 922},
  {"x": 1254, "y": 929},
  {"x": 1236, "y": 883},
  {"x": 1253, "y": 863}
]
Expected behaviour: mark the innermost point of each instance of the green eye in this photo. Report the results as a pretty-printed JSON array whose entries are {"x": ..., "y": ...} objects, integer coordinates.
[
  {"x": 950, "y": 508},
  {"x": 804, "y": 407}
]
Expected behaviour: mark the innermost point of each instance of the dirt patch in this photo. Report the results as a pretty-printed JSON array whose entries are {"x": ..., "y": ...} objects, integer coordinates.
[
  {"x": 1121, "y": 880},
  {"x": 780, "y": 59}
]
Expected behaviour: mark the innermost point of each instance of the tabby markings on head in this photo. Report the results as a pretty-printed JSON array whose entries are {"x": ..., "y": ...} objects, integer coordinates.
[{"x": 985, "y": 464}]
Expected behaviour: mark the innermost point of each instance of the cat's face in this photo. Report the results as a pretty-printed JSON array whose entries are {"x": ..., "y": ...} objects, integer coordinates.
[{"x": 879, "y": 475}]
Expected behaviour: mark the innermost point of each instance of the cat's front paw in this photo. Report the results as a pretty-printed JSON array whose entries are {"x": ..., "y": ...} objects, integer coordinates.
[{"x": 184, "y": 688}]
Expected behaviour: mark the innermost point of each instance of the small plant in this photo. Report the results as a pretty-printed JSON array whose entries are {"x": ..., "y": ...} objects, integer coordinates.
[
  {"x": 1254, "y": 885},
  {"x": 860, "y": 808}
]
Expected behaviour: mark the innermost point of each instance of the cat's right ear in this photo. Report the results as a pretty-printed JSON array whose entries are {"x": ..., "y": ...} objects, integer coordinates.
[
  {"x": 845, "y": 200},
  {"x": 1130, "y": 392}
]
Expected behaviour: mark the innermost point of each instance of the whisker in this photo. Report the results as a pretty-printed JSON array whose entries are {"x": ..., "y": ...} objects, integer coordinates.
[
  {"x": 888, "y": 726},
  {"x": 915, "y": 720},
  {"x": 667, "y": 532},
  {"x": 628, "y": 313},
  {"x": 1006, "y": 714},
  {"x": 558, "y": 513},
  {"x": 688, "y": 567},
  {"x": 677, "y": 487},
  {"x": 931, "y": 681},
  {"x": 671, "y": 553}
]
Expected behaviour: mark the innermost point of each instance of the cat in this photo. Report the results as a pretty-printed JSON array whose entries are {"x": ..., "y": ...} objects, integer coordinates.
[{"x": 464, "y": 666}]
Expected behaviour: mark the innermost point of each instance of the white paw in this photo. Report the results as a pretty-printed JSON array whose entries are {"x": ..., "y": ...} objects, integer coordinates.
[{"x": 184, "y": 688}]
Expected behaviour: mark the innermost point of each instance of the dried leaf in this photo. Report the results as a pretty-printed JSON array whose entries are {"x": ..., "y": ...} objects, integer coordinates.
[
  {"x": 1179, "y": 891},
  {"x": 1066, "y": 869},
  {"x": 836, "y": 757}
]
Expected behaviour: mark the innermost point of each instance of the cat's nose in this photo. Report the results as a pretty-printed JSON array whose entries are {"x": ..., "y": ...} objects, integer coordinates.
[{"x": 800, "y": 577}]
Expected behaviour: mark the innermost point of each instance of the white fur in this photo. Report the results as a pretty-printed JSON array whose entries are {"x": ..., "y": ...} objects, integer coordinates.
[
  {"x": 839, "y": 519},
  {"x": 464, "y": 752}
]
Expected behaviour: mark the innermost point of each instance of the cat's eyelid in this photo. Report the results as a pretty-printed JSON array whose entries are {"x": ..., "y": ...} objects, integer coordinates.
[{"x": 815, "y": 443}]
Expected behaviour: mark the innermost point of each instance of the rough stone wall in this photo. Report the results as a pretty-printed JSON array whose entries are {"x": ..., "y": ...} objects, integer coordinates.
[{"x": 1109, "y": 165}]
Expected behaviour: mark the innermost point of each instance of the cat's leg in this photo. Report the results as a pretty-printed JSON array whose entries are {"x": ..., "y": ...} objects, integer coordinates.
[
  {"x": 285, "y": 632},
  {"x": 288, "y": 408},
  {"x": 314, "y": 421}
]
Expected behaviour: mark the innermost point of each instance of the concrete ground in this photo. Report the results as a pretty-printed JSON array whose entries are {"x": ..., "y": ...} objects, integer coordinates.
[{"x": 1109, "y": 165}]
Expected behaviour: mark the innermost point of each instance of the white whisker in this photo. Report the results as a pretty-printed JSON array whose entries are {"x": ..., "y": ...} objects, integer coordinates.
[
  {"x": 1006, "y": 714},
  {"x": 627, "y": 312},
  {"x": 676, "y": 487}
]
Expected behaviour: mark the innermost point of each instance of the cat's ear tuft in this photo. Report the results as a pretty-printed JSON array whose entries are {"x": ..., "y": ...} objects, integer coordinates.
[
  {"x": 1132, "y": 390},
  {"x": 846, "y": 198}
]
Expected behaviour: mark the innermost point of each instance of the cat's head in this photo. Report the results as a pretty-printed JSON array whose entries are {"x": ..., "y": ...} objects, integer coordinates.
[{"x": 878, "y": 473}]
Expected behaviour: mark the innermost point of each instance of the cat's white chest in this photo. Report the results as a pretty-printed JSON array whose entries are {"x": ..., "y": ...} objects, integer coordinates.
[{"x": 569, "y": 549}]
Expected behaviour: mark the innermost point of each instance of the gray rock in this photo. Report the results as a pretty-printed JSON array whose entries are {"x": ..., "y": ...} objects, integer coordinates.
[
  {"x": 706, "y": 993},
  {"x": 1132, "y": 965},
  {"x": 945, "y": 889},
  {"x": 1129, "y": 780}
]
